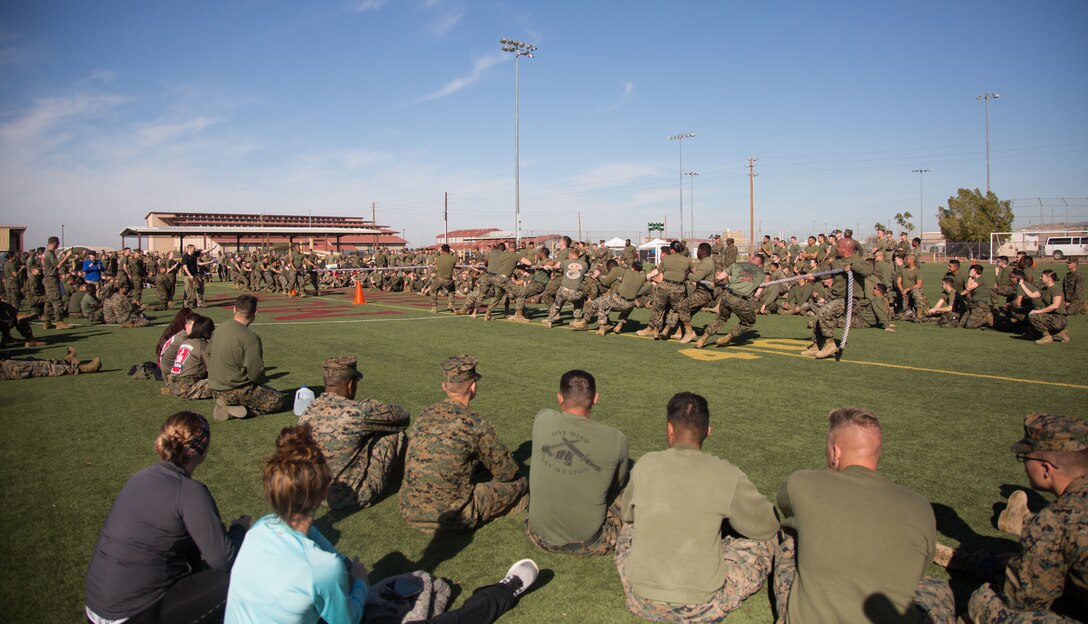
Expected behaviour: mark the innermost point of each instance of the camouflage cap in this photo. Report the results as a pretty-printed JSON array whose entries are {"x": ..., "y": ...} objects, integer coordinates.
[
  {"x": 341, "y": 368},
  {"x": 1050, "y": 432},
  {"x": 459, "y": 369}
]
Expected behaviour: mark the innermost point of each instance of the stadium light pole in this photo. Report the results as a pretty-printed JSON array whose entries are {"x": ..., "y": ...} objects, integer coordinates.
[
  {"x": 691, "y": 195},
  {"x": 986, "y": 97},
  {"x": 921, "y": 211},
  {"x": 679, "y": 138},
  {"x": 519, "y": 49}
]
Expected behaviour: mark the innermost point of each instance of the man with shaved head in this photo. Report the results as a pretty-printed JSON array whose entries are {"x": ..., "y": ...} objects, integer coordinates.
[{"x": 855, "y": 546}]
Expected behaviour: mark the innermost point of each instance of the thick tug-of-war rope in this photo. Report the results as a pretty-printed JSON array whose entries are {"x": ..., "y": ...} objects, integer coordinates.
[
  {"x": 820, "y": 275},
  {"x": 795, "y": 278}
]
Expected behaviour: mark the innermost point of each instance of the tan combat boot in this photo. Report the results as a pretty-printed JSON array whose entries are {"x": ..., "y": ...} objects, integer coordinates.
[
  {"x": 434, "y": 309},
  {"x": 1046, "y": 339},
  {"x": 602, "y": 329},
  {"x": 579, "y": 325},
  {"x": 829, "y": 349},
  {"x": 811, "y": 350},
  {"x": 518, "y": 318},
  {"x": 33, "y": 343},
  {"x": 689, "y": 334},
  {"x": 1063, "y": 336},
  {"x": 460, "y": 312},
  {"x": 646, "y": 331},
  {"x": 546, "y": 323},
  {"x": 724, "y": 340},
  {"x": 72, "y": 358},
  {"x": 619, "y": 327},
  {"x": 1011, "y": 520},
  {"x": 91, "y": 367},
  {"x": 226, "y": 412},
  {"x": 63, "y": 325},
  {"x": 701, "y": 342}
]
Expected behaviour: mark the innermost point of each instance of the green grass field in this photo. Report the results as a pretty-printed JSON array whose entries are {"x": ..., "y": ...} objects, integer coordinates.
[{"x": 951, "y": 400}]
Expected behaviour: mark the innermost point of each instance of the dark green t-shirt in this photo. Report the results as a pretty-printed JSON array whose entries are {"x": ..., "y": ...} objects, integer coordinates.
[
  {"x": 745, "y": 278},
  {"x": 444, "y": 265},
  {"x": 573, "y": 272},
  {"x": 631, "y": 284}
]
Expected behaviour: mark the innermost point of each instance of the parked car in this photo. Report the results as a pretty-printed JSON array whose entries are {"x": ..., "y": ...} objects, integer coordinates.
[{"x": 1059, "y": 247}]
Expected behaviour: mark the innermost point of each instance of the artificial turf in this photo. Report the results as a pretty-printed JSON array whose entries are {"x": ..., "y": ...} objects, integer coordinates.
[{"x": 951, "y": 401}]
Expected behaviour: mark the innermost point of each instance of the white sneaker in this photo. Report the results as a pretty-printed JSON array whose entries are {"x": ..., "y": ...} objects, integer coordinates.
[{"x": 521, "y": 576}]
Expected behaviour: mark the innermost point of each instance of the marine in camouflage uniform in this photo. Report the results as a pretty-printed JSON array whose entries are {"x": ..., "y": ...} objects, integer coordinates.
[
  {"x": 449, "y": 441},
  {"x": 31, "y": 367},
  {"x": 120, "y": 310},
  {"x": 1073, "y": 288},
  {"x": 11, "y": 319},
  {"x": 442, "y": 281},
  {"x": 572, "y": 272},
  {"x": 738, "y": 297},
  {"x": 827, "y": 317},
  {"x": 671, "y": 293},
  {"x": 363, "y": 441},
  {"x": 978, "y": 305},
  {"x": 1047, "y": 581},
  {"x": 54, "y": 305}
]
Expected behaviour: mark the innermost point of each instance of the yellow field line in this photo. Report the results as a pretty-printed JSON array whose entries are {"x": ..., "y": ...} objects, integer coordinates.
[
  {"x": 928, "y": 370},
  {"x": 919, "y": 369}
]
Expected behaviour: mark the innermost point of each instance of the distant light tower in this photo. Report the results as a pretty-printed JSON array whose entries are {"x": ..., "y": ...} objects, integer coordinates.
[
  {"x": 987, "y": 97},
  {"x": 921, "y": 211},
  {"x": 679, "y": 138},
  {"x": 691, "y": 195},
  {"x": 519, "y": 49}
]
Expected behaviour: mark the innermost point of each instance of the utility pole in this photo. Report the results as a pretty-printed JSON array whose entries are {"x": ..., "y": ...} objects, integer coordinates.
[
  {"x": 374, "y": 223},
  {"x": 519, "y": 49},
  {"x": 579, "y": 225},
  {"x": 986, "y": 97},
  {"x": 446, "y": 219},
  {"x": 751, "y": 205},
  {"x": 921, "y": 204},
  {"x": 679, "y": 138}
]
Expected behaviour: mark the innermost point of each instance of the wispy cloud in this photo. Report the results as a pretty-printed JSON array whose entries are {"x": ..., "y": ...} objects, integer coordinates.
[
  {"x": 158, "y": 133},
  {"x": 479, "y": 68},
  {"x": 362, "y": 6},
  {"x": 446, "y": 21},
  {"x": 624, "y": 97},
  {"x": 100, "y": 76},
  {"x": 48, "y": 113}
]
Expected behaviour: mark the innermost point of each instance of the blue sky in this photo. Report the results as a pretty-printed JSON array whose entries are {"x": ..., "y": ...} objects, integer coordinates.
[{"x": 109, "y": 110}]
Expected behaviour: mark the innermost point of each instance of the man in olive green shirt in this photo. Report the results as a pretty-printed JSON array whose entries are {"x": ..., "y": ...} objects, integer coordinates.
[
  {"x": 671, "y": 293},
  {"x": 672, "y": 558},
  {"x": 579, "y": 469},
  {"x": 443, "y": 278},
  {"x": 236, "y": 367},
  {"x": 855, "y": 546},
  {"x": 742, "y": 281}
]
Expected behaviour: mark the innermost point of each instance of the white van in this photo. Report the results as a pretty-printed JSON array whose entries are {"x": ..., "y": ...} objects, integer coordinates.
[{"x": 1058, "y": 247}]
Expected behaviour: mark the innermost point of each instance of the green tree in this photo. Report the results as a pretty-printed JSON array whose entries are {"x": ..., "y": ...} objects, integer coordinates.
[
  {"x": 879, "y": 226},
  {"x": 903, "y": 219},
  {"x": 972, "y": 216}
]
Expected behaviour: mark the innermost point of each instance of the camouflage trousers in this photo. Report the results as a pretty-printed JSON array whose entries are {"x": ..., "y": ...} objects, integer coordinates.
[
  {"x": 732, "y": 303},
  {"x": 986, "y": 607},
  {"x": 504, "y": 290},
  {"x": 164, "y": 297},
  {"x": 194, "y": 291},
  {"x": 54, "y": 307},
  {"x": 976, "y": 316},
  {"x": 11, "y": 293},
  {"x": 604, "y": 543},
  {"x": 481, "y": 292},
  {"x": 747, "y": 562},
  {"x": 827, "y": 318},
  {"x": 258, "y": 399},
  {"x": 440, "y": 284},
  {"x": 530, "y": 289},
  {"x": 932, "y": 599},
  {"x": 363, "y": 482},
  {"x": 602, "y": 306},
  {"x": 916, "y": 299},
  {"x": 553, "y": 287},
  {"x": 563, "y": 295},
  {"x": 1048, "y": 324},
  {"x": 189, "y": 388},
  {"x": 697, "y": 300},
  {"x": 25, "y": 369},
  {"x": 669, "y": 296},
  {"x": 490, "y": 500},
  {"x": 1075, "y": 306}
]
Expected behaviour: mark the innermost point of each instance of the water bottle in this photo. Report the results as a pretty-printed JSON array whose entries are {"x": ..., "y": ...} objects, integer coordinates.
[{"x": 302, "y": 399}]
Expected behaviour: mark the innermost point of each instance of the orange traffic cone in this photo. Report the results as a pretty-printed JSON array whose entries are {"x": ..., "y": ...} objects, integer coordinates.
[
  {"x": 359, "y": 299},
  {"x": 293, "y": 293}
]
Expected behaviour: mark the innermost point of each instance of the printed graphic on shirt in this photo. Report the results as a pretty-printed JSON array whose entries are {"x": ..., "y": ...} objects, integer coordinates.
[
  {"x": 179, "y": 361},
  {"x": 574, "y": 270},
  {"x": 567, "y": 454}
]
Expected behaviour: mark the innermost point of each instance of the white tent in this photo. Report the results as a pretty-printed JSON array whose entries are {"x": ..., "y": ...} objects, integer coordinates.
[
  {"x": 616, "y": 243},
  {"x": 654, "y": 247}
]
